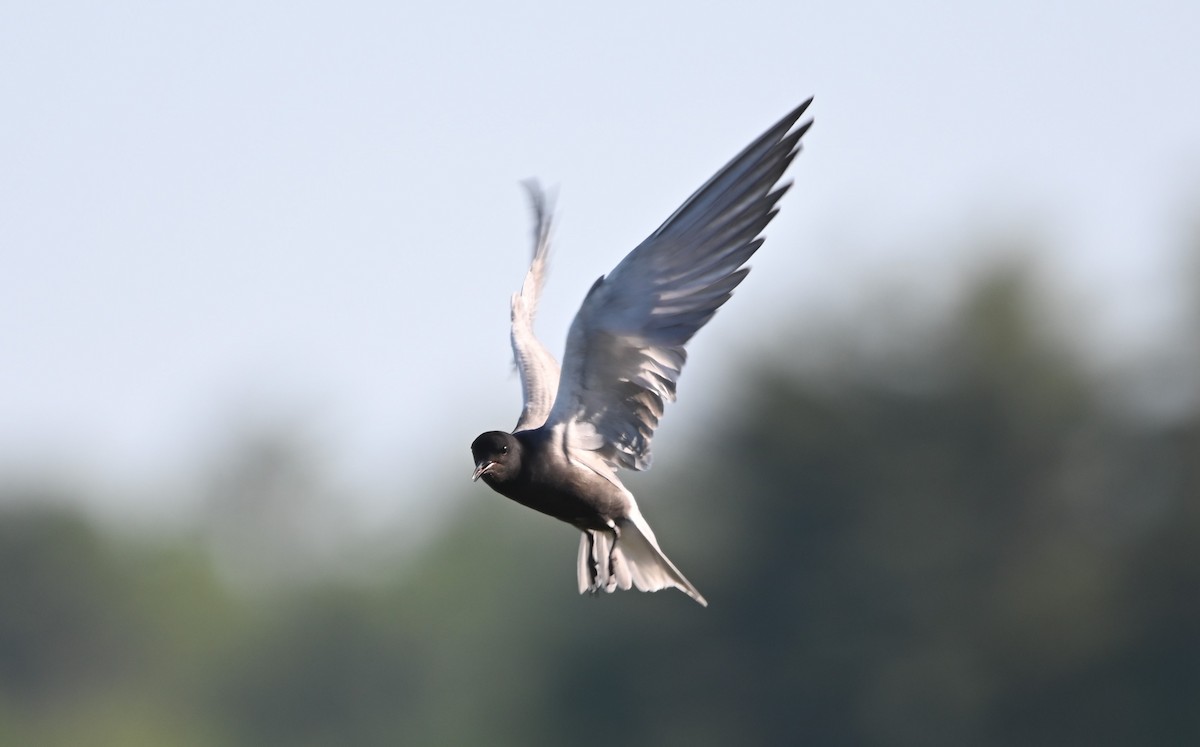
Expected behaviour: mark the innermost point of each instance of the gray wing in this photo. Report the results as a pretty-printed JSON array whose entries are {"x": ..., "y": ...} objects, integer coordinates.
[
  {"x": 625, "y": 349},
  {"x": 535, "y": 364}
]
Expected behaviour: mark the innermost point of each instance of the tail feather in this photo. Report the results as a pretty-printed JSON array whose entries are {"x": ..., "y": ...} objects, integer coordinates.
[{"x": 607, "y": 563}]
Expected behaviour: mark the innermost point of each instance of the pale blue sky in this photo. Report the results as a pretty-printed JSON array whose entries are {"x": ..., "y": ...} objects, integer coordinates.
[{"x": 219, "y": 213}]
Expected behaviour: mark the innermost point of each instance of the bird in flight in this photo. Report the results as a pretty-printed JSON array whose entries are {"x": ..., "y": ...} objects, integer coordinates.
[{"x": 624, "y": 354}]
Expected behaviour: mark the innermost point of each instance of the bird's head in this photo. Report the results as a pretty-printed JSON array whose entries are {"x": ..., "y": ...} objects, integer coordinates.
[{"x": 497, "y": 457}]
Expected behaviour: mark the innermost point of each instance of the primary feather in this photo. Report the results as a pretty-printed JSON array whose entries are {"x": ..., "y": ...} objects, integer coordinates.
[
  {"x": 625, "y": 349},
  {"x": 535, "y": 365}
]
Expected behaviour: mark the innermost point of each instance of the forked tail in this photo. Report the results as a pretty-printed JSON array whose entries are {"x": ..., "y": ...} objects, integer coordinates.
[{"x": 628, "y": 557}]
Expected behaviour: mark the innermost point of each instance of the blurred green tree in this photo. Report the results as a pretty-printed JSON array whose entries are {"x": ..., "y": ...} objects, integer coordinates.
[{"x": 960, "y": 539}]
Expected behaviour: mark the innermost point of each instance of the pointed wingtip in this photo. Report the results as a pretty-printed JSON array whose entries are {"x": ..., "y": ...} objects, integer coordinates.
[
  {"x": 541, "y": 200},
  {"x": 541, "y": 204},
  {"x": 534, "y": 191},
  {"x": 795, "y": 116},
  {"x": 799, "y": 110},
  {"x": 785, "y": 125}
]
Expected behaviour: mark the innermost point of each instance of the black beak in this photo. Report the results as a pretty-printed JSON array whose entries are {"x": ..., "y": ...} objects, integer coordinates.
[{"x": 482, "y": 469}]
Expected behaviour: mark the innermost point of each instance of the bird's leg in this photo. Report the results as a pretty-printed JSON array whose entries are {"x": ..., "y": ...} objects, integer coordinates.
[
  {"x": 612, "y": 551},
  {"x": 593, "y": 564}
]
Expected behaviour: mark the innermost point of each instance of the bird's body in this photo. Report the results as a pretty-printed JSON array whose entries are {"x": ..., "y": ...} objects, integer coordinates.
[
  {"x": 624, "y": 354},
  {"x": 549, "y": 483}
]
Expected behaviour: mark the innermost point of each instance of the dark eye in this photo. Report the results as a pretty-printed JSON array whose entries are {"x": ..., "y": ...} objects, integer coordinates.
[{"x": 503, "y": 449}]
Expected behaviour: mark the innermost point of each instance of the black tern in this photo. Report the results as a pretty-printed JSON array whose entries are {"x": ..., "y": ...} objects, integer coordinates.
[{"x": 624, "y": 354}]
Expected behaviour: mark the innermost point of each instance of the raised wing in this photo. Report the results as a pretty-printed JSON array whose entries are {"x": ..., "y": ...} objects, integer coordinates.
[
  {"x": 625, "y": 349},
  {"x": 535, "y": 364}
]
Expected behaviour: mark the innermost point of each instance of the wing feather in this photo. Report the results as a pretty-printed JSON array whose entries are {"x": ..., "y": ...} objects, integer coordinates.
[
  {"x": 625, "y": 349},
  {"x": 538, "y": 370}
]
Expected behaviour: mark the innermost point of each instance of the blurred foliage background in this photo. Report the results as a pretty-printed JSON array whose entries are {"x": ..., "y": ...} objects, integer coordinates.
[{"x": 945, "y": 529}]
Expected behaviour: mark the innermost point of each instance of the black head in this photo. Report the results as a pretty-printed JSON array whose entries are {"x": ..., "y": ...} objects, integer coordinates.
[{"x": 497, "y": 457}]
